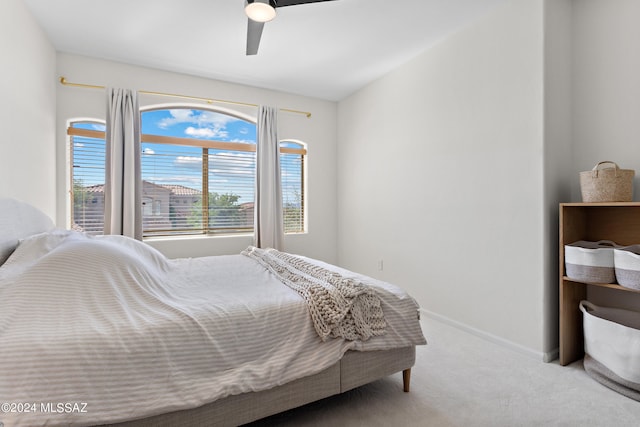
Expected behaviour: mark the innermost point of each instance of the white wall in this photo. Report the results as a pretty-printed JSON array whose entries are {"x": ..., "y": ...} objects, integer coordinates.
[
  {"x": 27, "y": 110},
  {"x": 440, "y": 168},
  {"x": 606, "y": 98},
  {"x": 319, "y": 132},
  {"x": 606, "y": 85}
]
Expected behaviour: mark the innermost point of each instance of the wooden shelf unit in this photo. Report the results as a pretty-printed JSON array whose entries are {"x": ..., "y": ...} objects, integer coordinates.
[{"x": 619, "y": 222}]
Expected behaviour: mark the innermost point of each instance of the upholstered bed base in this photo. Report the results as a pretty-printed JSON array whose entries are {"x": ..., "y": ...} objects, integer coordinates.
[{"x": 353, "y": 370}]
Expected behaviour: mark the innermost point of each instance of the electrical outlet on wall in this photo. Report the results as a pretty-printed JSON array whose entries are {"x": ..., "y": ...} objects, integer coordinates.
[{"x": 380, "y": 265}]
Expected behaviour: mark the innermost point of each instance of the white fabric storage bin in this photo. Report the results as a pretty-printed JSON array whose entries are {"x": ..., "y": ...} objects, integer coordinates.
[
  {"x": 626, "y": 261},
  {"x": 590, "y": 262},
  {"x": 612, "y": 338}
]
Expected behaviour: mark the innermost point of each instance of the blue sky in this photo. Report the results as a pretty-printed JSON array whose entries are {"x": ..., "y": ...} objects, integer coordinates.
[{"x": 198, "y": 124}]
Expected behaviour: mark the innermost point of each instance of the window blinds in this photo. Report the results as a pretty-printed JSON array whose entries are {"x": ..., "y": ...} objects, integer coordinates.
[{"x": 190, "y": 186}]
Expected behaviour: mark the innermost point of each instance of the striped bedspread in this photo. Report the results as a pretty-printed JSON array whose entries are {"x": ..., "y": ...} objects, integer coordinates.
[{"x": 101, "y": 330}]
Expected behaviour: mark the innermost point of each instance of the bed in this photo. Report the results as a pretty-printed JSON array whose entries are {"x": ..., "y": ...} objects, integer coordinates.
[{"x": 107, "y": 331}]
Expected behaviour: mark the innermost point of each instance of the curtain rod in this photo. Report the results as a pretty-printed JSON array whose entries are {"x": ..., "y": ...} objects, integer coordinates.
[{"x": 63, "y": 80}]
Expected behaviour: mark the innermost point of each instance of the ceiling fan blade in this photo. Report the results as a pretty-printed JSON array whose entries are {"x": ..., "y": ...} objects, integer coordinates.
[
  {"x": 254, "y": 33},
  {"x": 283, "y": 3}
]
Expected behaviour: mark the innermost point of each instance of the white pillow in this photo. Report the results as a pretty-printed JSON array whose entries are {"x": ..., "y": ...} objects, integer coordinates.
[{"x": 17, "y": 221}]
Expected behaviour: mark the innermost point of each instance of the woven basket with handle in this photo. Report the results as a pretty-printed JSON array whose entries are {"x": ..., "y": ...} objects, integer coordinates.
[{"x": 607, "y": 184}]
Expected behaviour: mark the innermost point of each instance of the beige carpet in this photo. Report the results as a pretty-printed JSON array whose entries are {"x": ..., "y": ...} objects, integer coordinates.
[{"x": 462, "y": 380}]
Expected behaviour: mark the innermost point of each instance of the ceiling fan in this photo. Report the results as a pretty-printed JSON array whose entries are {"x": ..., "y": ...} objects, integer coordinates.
[{"x": 261, "y": 11}]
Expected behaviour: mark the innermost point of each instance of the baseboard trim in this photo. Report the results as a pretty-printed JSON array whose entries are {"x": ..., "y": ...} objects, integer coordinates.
[
  {"x": 545, "y": 356},
  {"x": 550, "y": 356}
]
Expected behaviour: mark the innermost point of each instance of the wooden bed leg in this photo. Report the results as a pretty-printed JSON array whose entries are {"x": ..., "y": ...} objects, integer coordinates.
[{"x": 406, "y": 379}]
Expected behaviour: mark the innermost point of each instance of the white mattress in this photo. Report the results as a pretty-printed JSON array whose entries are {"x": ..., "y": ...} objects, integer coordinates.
[{"x": 96, "y": 330}]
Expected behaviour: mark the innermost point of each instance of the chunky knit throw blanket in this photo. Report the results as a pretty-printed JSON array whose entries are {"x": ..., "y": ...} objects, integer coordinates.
[{"x": 339, "y": 306}]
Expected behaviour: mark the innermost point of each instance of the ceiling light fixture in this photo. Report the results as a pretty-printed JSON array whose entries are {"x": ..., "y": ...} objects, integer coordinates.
[{"x": 260, "y": 10}]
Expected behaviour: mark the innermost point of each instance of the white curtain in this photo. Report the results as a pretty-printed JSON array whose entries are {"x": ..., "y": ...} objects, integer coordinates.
[
  {"x": 123, "y": 186},
  {"x": 269, "y": 228}
]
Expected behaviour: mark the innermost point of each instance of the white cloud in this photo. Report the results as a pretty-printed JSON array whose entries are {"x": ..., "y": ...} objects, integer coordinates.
[
  {"x": 148, "y": 151},
  {"x": 244, "y": 141},
  {"x": 188, "y": 161},
  {"x": 177, "y": 116},
  {"x": 215, "y": 119},
  {"x": 178, "y": 179},
  {"x": 232, "y": 171},
  {"x": 206, "y": 132},
  {"x": 229, "y": 154}
]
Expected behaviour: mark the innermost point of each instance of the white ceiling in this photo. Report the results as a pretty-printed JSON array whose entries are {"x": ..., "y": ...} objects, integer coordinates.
[{"x": 324, "y": 50}]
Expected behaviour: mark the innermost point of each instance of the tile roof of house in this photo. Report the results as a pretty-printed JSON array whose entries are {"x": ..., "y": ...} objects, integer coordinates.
[
  {"x": 98, "y": 188},
  {"x": 181, "y": 190},
  {"x": 178, "y": 190}
]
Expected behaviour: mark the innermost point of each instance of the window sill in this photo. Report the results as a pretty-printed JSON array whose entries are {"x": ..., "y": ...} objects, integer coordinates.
[{"x": 195, "y": 237}]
